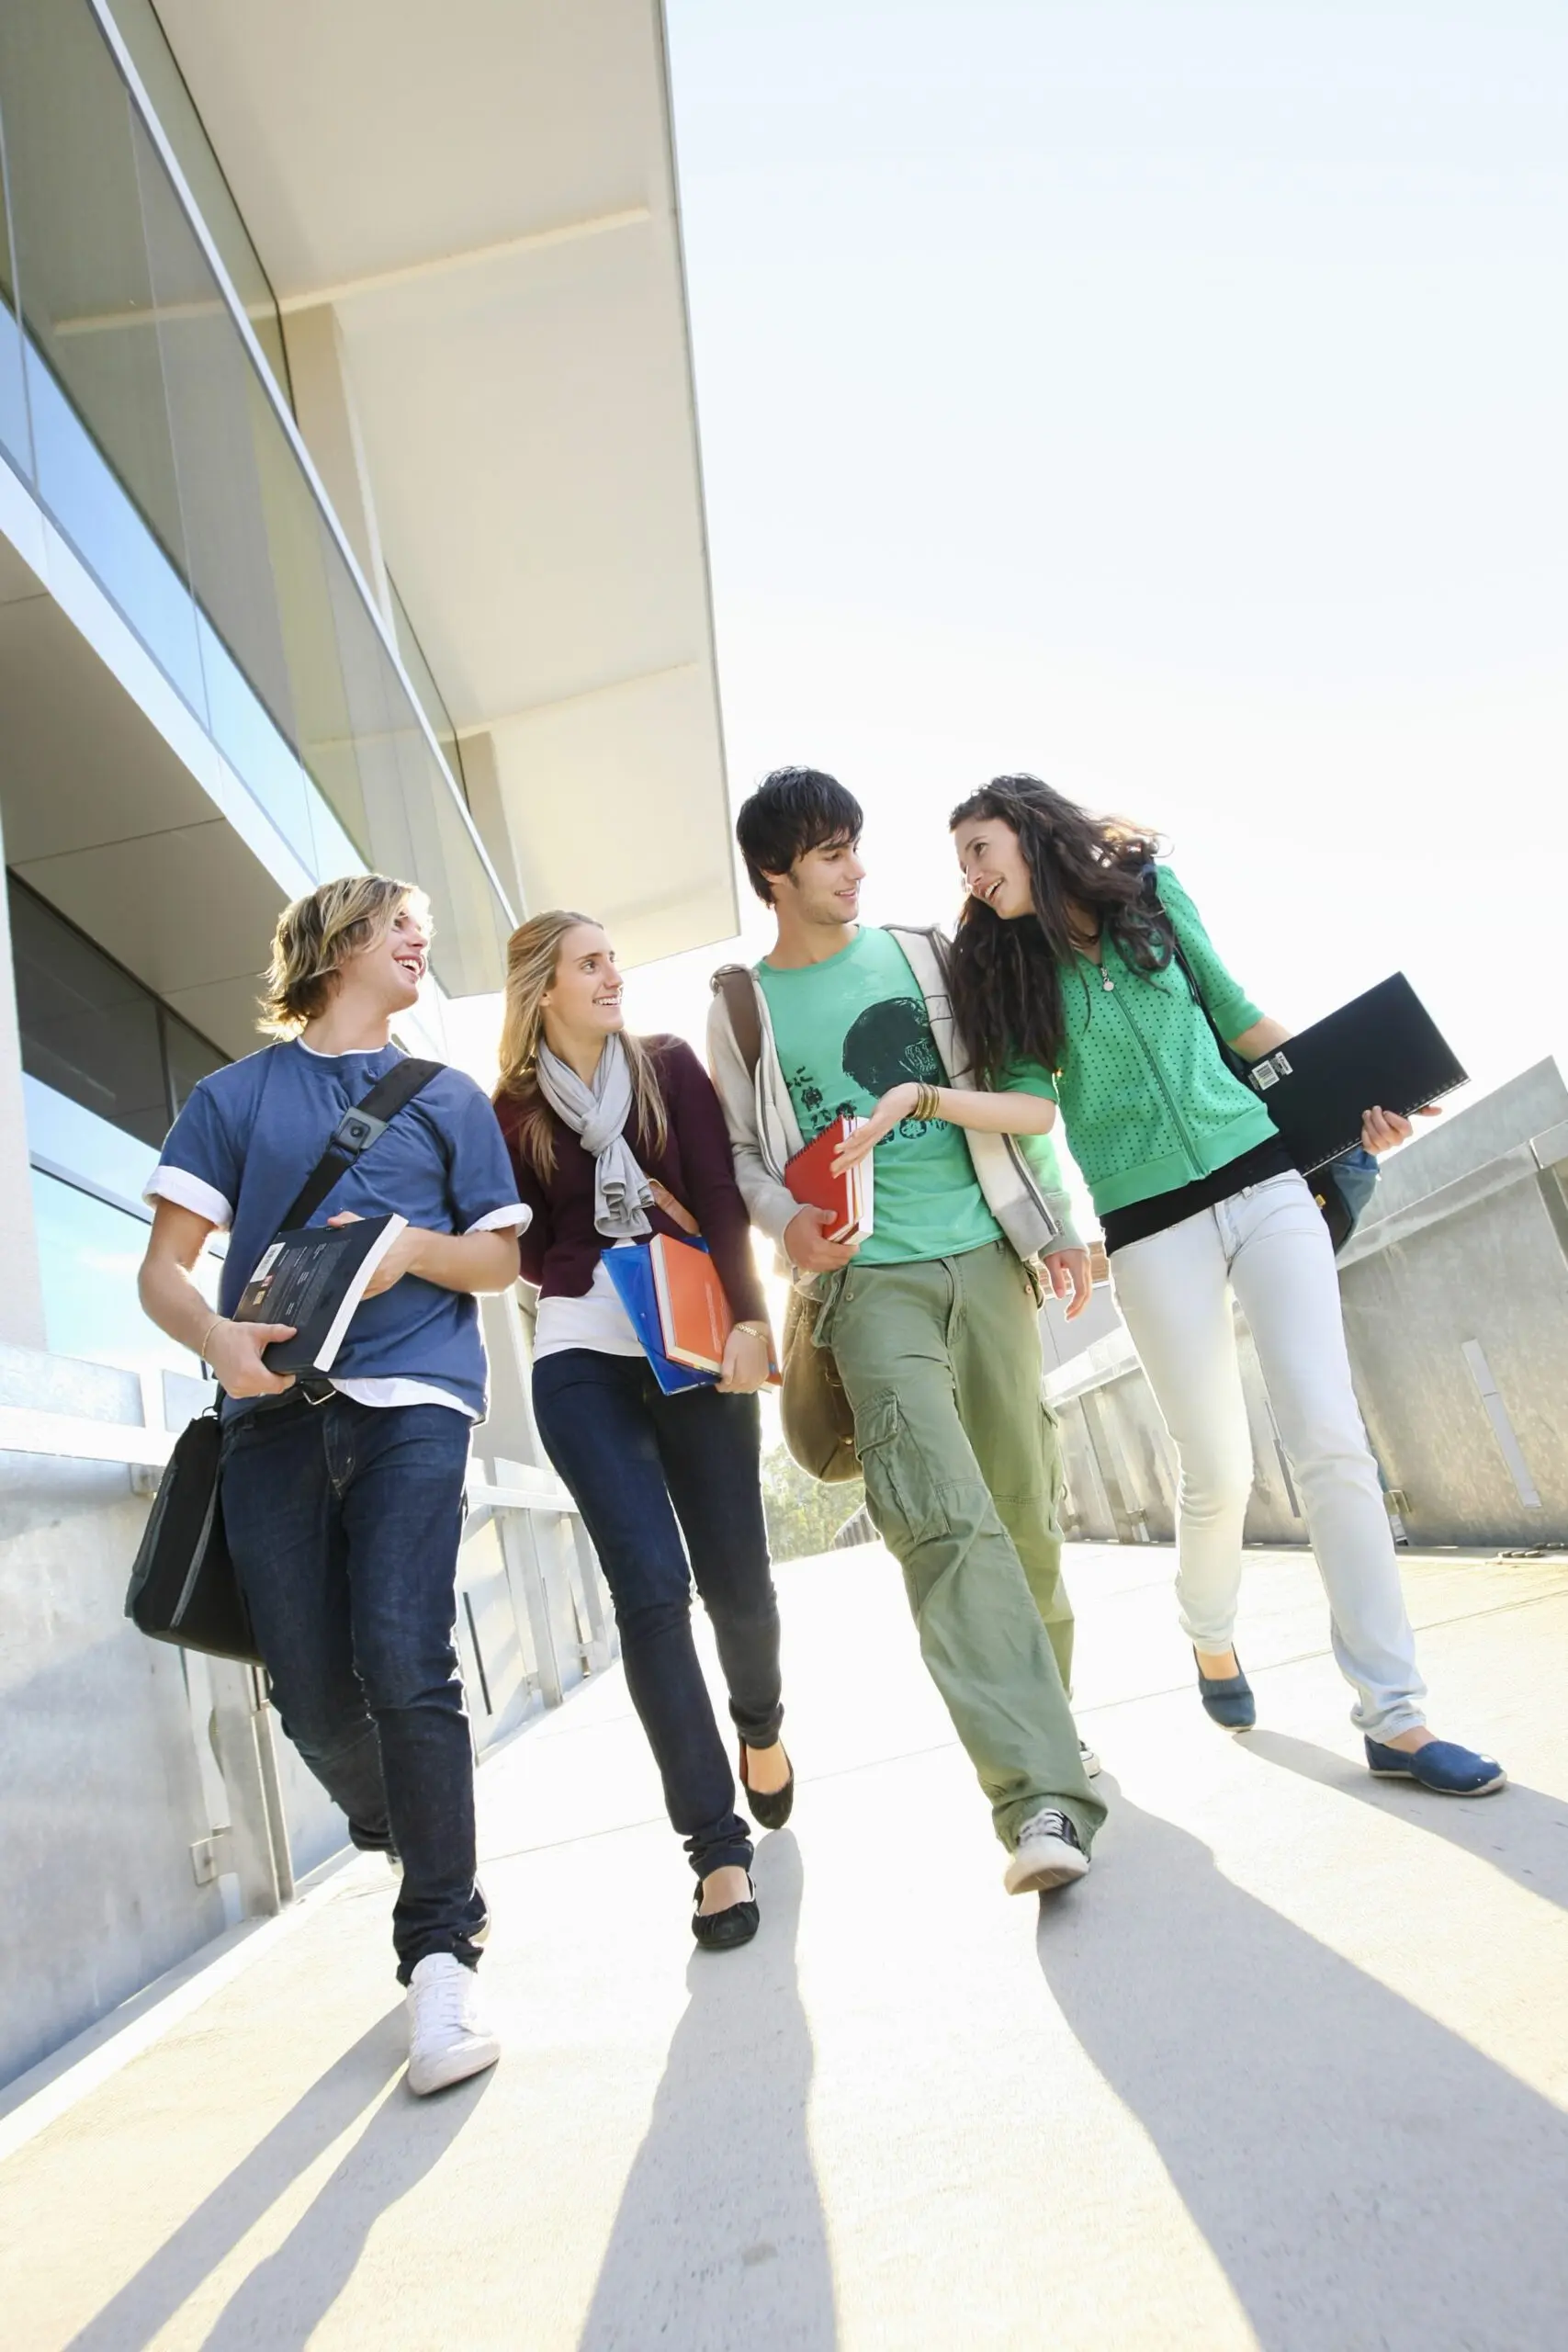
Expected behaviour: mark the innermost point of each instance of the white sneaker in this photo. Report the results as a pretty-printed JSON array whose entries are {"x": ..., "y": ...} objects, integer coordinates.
[
  {"x": 1089, "y": 1760},
  {"x": 448, "y": 2036},
  {"x": 1049, "y": 1854}
]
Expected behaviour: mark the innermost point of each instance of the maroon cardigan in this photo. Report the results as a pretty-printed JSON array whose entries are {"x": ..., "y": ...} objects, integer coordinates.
[{"x": 561, "y": 1246}]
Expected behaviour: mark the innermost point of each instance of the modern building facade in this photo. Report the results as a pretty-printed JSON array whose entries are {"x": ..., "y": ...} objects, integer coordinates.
[{"x": 350, "y": 515}]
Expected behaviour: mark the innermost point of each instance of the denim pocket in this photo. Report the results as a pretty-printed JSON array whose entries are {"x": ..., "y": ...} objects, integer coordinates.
[{"x": 899, "y": 1488}]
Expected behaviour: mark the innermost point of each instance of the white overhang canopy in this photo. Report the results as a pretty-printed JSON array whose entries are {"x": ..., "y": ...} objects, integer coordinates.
[{"x": 483, "y": 194}]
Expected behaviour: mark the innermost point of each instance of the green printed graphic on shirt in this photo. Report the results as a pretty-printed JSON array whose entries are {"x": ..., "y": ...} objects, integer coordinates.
[{"x": 847, "y": 1030}]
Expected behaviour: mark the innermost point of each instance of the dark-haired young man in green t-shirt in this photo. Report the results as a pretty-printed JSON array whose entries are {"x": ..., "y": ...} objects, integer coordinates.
[{"x": 932, "y": 1318}]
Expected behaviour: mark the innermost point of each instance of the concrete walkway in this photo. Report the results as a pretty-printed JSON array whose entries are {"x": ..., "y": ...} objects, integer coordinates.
[{"x": 1289, "y": 2070}]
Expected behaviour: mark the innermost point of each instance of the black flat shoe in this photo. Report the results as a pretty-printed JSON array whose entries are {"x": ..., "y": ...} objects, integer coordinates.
[
  {"x": 725, "y": 1930},
  {"x": 768, "y": 1808},
  {"x": 1227, "y": 1698}
]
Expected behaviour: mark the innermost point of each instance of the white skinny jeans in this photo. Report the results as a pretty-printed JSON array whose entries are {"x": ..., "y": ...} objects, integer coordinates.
[{"x": 1269, "y": 1244}]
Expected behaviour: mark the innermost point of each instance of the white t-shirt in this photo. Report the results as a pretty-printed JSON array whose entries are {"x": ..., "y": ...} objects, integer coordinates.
[{"x": 596, "y": 1320}]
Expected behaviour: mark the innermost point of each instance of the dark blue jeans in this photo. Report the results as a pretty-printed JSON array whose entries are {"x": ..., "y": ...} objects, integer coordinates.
[
  {"x": 646, "y": 1469},
  {"x": 343, "y": 1521}
]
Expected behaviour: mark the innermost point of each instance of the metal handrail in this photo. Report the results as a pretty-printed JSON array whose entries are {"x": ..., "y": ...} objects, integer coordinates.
[{"x": 135, "y": 1445}]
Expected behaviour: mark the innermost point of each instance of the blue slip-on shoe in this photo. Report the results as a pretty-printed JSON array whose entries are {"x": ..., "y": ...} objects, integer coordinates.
[
  {"x": 1227, "y": 1699},
  {"x": 1442, "y": 1765}
]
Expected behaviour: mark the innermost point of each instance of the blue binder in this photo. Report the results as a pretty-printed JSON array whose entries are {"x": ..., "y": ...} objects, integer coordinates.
[{"x": 630, "y": 1268}]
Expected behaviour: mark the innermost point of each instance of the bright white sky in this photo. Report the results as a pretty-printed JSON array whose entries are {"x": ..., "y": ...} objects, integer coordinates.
[{"x": 1168, "y": 399}]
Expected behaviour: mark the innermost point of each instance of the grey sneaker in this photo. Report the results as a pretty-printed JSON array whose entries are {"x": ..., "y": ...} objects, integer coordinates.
[{"x": 1049, "y": 1853}]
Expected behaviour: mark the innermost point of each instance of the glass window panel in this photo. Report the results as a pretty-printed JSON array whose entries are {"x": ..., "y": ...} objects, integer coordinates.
[
  {"x": 87, "y": 1027},
  {"x": 188, "y": 1057},
  {"x": 376, "y": 710},
  {"x": 475, "y": 957},
  {"x": 93, "y": 511},
  {"x": 299, "y": 543},
  {"x": 336, "y": 854},
  {"x": 86, "y": 1150},
  {"x": 89, "y": 1255},
  {"x": 215, "y": 404},
  {"x": 169, "y": 93},
  {"x": 92, "y": 353},
  {"x": 265, "y": 762},
  {"x": 425, "y": 688},
  {"x": 14, "y": 437},
  {"x": 415, "y": 827}
]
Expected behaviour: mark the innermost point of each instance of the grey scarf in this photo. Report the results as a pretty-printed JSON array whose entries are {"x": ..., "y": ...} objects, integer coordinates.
[{"x": 598, "y": 1114}]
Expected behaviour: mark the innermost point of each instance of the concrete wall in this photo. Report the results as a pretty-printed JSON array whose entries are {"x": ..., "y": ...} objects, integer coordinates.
[
  {"x": 134, "y": 1823},
  {"x": 1456, "y": 1309},
  {"x": 1456, "y": 1306},
  {"x": 101, "y": 1795}
]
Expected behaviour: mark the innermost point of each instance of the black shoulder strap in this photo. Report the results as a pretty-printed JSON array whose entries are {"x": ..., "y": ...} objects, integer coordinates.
[
  {"x": 356, "y": 1131},
  {"x": 1235, "y": 1063}
]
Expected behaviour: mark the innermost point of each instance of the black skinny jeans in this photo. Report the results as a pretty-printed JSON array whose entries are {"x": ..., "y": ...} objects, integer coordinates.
[{"x": 646, "y": 1469}]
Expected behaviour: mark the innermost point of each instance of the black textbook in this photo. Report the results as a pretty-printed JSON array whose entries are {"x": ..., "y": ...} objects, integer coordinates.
[
  {"x": 1382, "y": 1050},
  {"x": 314, "y": 1277}
]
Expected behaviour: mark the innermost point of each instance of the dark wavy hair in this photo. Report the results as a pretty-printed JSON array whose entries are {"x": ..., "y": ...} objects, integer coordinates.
[{"x": 1008, "y": 974}]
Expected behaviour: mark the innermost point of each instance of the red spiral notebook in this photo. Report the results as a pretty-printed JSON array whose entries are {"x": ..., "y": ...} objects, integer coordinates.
[{"x": 846, "y": 1198}]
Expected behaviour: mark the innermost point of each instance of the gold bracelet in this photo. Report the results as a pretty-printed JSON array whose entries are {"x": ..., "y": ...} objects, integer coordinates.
[
  {"x": 756, "y": 1330},
  {"x": 207, "y": 1335},
  {"x": 928, "y": 1103}
]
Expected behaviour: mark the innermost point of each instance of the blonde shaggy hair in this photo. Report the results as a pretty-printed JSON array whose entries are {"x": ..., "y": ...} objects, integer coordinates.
[
  {"x": 317, "y": 935},
  {"x": 533, "y": 959}
]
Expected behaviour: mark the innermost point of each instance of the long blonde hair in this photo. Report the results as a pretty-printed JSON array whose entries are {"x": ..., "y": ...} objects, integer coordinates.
[
  {"x": 533, "y": 958},
  {"x": 318, "y": 933}
]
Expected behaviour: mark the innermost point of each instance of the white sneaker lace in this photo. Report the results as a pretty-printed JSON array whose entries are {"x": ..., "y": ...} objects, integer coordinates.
[
  {"x": 444, "y": 2004},
  {"x": 1050, "y": 1823}
]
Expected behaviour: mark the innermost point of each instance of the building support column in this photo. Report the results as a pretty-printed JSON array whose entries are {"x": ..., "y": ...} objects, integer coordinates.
[{"x": 487, "y": 808}]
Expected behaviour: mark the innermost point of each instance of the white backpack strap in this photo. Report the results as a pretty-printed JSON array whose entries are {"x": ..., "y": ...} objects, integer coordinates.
[
  {"x": 925, "y": 952},
  {"x": 1013, "y": 1193}
]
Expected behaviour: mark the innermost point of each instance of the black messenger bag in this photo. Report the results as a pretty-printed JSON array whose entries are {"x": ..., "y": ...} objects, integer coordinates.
[{"x": 183, "y": 1585}]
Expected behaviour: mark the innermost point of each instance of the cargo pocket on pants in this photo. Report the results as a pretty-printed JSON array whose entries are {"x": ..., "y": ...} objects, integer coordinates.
[
  {"x": 1054, "y": 1464},
  {"x": 899, "y": 1489}
]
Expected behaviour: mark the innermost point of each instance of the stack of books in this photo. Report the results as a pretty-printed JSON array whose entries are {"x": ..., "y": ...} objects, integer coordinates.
[
  {"x": 671, "y": 1292},
  {"x": 846, "y": 1198}
]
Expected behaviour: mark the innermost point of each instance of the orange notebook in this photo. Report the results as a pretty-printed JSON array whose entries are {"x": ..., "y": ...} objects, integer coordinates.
[
  {"x": 693, "y": 1314},
  {"x": 846, "y": 1198}
]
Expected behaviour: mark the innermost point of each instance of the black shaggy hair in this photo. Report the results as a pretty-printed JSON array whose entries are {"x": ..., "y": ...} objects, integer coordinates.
[{"x": 792, "y": 811}]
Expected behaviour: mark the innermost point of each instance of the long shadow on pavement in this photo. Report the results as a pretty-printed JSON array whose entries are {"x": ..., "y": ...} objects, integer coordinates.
[
  {"x": 283, "y": 2300},
  {"x": 720, "y": 2239},
  {"x": 1521, "y": 1832},
  {"x": 1364, "y": 2176}
]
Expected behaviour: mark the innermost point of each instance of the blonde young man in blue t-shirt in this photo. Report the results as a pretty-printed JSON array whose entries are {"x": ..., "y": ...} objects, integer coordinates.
[
  {"x": 344, "y": 1509},
  {"x": 932, "y": 1318}
]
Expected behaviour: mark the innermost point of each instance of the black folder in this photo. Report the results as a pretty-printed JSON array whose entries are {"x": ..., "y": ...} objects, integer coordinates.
[{"x": 1382, "y": 1049}]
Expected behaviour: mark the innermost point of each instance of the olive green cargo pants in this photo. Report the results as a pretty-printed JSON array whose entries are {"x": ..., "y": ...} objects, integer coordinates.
[{"x": 940, "y": 1361}]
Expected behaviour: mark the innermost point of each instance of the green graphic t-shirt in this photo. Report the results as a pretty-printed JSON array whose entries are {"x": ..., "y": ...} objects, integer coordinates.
[{"x": 848, "y": 1031}]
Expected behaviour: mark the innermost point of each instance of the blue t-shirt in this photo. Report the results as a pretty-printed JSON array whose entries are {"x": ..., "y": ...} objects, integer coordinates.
[{"x": 249, "y": 1135}]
